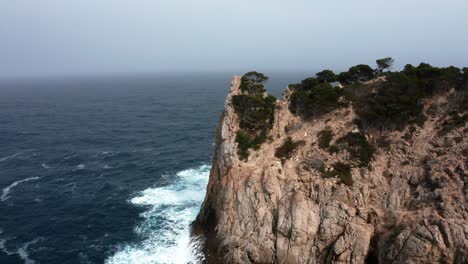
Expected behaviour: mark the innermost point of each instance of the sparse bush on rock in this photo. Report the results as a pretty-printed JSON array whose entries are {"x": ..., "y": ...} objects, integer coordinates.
[
  {"x": 324, "y": 138},
  {"x": 342, "y": 171},
  {"x": 286, "y": 150},
  {"x": 246, "y": 141},
  {"x": 358, "y": 147},
  {"x": 454, "y": 121}
]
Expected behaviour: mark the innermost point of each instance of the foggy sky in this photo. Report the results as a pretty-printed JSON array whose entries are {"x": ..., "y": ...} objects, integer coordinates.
[{"x": 79, "y": 37}]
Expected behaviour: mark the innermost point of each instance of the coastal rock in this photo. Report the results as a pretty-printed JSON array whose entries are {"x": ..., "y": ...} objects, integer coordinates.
[{"x": 409, "y": 206}]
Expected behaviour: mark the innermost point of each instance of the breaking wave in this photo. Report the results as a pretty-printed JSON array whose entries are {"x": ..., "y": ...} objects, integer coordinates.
[
  {"x": 165, "y": 230},
  {"x": 7, "y": 189}
]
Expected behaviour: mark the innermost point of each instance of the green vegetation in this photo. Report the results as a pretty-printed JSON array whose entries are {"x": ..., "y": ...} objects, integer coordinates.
[
  {"x": 430, "y": 79},
  {"x": 324, "y": 138},
  {"x": 246, "y": 141},
  {"x": 314, "y": 98},
  {"x": 256, "y": 113},
  {"x": 396, "y": 103},
  {"x": 326, "y": 76},
  {"x": 286, "y": 150},
  {"x": 454, "y": 121},
  {"x": 356, "y": 74},
  {"x": 384, "y": 64},
  {"x": 345, "y": 78},
  {"x": 465, "y": 76},
  {"x": 361, "y": 73},
  {"x": 358, "y": 147},
  {"x": 252, "y": 82},
  {"x": 333, "y": 149},
  {"x": 398, "y": 100},
  {"x": 342, "y": 171}
]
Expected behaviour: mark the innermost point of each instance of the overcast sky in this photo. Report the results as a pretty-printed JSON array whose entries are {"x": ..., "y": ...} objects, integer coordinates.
[{"x": 80, "y": 37}]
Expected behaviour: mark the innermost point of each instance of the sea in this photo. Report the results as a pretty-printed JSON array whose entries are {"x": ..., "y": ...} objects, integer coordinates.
[{"x": 108, "y": 169}]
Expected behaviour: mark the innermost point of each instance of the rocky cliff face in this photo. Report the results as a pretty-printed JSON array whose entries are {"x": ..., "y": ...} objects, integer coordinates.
[{"x": 409, "y": 206}]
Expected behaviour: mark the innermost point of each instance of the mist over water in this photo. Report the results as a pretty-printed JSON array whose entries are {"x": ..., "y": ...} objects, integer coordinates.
[{"x": 107, "y": 170}]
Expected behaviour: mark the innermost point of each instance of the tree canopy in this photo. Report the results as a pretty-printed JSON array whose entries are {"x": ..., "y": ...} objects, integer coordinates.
[
  {"x": 384, "y": 64},
  {"x": 253, "y": 82},
  {"x": 361, "y": 73},
  {"x": 390, "y": 103},
  {"x": 255, "y": 110},
  {"x": 399, "y": 99},
  {"x": 318, "y": 99},
  {"x": 326, "y": 76}
]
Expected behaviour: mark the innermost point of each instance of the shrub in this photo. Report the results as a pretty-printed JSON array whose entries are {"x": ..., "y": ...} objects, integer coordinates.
[
  {"x": 430, "y": 79},
  {"x": 286, "y": 150},
  {"x": 255, "y": 111},
  {"x": 324, "y": 138},
  {"x": 317, "y": 100},
  {"x": 390, "y": 104},
  {"x": 358, "y": 147},
  {"x": 407, "y": 136},
  {"x": 333, "y": 149},
  {"x": 345, "y": 78},
  {"x": 398, "y": 100},
  {"x": 342, "y": 171},
  {"x": 454, "y": 121},
  {"x": 362, "y": 73},
  {"x": 326, "y": 76},
  {"x": 309, "y": 83},
  {"x": 246, "y": 141},
  {"x": 295, "y": 86}
]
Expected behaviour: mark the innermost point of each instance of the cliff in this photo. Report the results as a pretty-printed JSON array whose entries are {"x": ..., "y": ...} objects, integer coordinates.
[{"x": 408, "y": 206}]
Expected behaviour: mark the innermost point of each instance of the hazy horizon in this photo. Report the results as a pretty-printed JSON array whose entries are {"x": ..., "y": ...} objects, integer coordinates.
[{"x": 93, "y": 38}]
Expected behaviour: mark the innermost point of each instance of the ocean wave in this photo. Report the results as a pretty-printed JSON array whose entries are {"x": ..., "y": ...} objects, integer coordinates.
[
  {"x": 22, "y": 252},
  {"x": 45, "y": 166},
  {"x": 166, "y": 225},
  {"x": 7, "y": 189},
  {"x": 9, "y": 157}
]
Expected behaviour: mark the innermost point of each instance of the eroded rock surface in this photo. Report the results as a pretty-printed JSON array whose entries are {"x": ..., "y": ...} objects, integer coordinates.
[{"x": 408, "y": 206}]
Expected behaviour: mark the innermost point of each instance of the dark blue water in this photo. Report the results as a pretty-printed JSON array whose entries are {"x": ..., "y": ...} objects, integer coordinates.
[{"x": 106, "y": 170}]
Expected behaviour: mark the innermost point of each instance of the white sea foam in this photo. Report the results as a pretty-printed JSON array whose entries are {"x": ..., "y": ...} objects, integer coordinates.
[
  {"x": 7, "y": 190},
  {"x": 9, "y": 157},
  {"x": 166, "y": 225},
  {"x": 3, "y": 247},
  {"x": 22, "y": 252},
  {"x": 80, "y": 166},
  {"x": 45, "y": 166}
]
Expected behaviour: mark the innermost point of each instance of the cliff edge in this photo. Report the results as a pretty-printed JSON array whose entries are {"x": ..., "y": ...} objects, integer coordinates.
[{"x": 407, "y": 206}]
